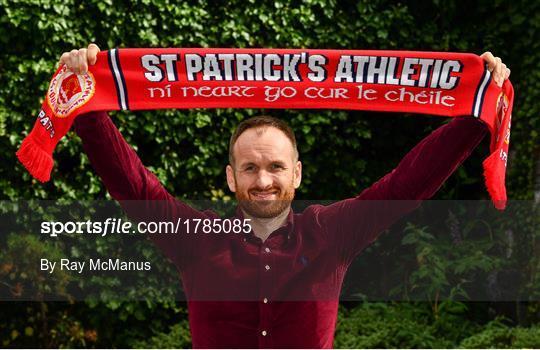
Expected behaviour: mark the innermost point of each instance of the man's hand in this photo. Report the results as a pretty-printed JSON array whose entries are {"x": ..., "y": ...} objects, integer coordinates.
[
  {"x": 496, "y": 67},
  {"x": 77, "y": 61}
]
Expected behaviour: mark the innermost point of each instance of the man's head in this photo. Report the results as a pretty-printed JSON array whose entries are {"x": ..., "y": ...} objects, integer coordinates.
[{"x": 264, "y": 170}]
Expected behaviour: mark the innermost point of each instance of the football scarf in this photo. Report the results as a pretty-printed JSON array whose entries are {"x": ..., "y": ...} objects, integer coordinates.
[{"x": 435, "y": 83}]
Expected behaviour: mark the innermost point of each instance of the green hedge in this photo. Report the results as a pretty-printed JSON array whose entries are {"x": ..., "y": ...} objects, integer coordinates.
[
  {"x": 396, "y": 325},
  {"x": 343, "y": 152},
  {"x": 188, "y": 149}
]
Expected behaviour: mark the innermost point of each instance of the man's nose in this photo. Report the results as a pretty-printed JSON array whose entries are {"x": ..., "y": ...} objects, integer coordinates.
[{"x": 264, "y": 179}]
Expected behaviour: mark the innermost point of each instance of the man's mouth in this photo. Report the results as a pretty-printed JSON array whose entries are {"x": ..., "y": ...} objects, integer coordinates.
[{"x": 264, "y": 195}]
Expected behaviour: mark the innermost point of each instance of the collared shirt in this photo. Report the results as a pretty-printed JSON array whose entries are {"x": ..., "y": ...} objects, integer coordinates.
[{"x": 283, "y": 292}]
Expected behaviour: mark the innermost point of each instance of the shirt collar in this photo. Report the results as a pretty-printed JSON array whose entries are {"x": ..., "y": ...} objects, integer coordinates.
[{"x": 286, "y": 230}]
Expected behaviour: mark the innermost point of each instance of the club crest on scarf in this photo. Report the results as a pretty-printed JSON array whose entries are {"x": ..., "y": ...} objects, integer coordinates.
[
  {"x": 68, "y": 92},
  {"x": 502, "y": 108}
]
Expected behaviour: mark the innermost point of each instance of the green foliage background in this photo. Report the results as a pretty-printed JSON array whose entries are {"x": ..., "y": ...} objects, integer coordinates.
[{"x": 343, "y": 152}]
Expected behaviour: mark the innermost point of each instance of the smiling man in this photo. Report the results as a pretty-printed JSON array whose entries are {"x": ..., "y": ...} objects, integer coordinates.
[
  {"x": 277, "y": 285},
  {"x": 264, "y": 171}
]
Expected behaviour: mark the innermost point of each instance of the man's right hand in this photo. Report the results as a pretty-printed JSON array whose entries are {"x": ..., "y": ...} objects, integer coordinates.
[{"x": 77, "y": 61}]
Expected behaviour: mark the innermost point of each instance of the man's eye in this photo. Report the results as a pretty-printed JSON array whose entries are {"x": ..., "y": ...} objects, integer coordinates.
[
  {"x": 249, "y": 168},
  {"x": 277, "y": 167}
]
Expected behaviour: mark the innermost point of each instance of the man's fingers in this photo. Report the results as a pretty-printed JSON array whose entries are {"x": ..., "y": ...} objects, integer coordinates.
[
  {"x": 497, "y": 71},
  {"x": 83, "y": 64},
  {"x": 507, "y": 73},
  {"x": 68, "y": 61},
  {"x": 77, "y": 61},
  {"x": 497, "y": 68},
  {"x": 64, "y": 58},
  {"x": 74, "y": 61},
  {"x": 92, "y": 52},
  {"x": 489, "y": 59}
]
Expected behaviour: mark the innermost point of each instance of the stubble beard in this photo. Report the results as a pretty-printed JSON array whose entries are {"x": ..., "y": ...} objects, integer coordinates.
[{"x": 266, "y": 209}]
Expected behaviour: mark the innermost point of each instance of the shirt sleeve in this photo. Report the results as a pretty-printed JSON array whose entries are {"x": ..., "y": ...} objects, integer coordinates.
[
  {"x": 138, "y": 190},
  {"x": 354, "y": 223}
]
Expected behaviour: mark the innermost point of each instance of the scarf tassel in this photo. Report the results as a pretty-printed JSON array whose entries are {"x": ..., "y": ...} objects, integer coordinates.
[
  {"x": 38, "y": 162},
  {"x": 495, "y": 185}
]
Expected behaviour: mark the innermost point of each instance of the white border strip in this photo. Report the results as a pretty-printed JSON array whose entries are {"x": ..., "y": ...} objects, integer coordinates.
[
  {"x": 118, "y": 77},
  {"x": 480, "y": 95}
]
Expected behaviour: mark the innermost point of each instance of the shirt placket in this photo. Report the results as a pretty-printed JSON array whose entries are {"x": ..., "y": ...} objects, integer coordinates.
[{"x": 266, "y": 281}]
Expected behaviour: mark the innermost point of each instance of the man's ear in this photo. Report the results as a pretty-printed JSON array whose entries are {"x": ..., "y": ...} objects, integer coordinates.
[
  {"x": 297, "y": 174},
  {"x": 230, "y": 178}
]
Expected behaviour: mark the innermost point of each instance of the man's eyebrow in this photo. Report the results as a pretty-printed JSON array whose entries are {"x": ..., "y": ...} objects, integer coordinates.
[
  {"x": 279, "y": 162},
  {"x": 245, "y": 164},
  {"x": 276, "y": 161}
]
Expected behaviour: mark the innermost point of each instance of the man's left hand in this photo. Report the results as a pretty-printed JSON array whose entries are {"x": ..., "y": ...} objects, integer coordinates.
[{"x": 497, "y": 68}]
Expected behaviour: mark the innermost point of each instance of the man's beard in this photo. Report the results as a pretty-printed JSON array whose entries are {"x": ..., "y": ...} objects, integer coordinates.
[{"x": 266, "y": 209}]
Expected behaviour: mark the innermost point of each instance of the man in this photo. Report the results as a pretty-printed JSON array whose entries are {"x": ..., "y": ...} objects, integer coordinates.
[{"x": 277, "y": 285}]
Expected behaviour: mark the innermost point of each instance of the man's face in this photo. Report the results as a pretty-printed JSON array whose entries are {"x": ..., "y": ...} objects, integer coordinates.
[{"x": 265, "y": 172}]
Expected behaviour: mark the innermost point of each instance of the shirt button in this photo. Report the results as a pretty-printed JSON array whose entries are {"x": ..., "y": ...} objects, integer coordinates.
[
  {"x": 267, "y": 267},
  {"x": 264, "y": 333},
  {"x": 265, "y": 300},
  {"x": 267, "y": 250}
]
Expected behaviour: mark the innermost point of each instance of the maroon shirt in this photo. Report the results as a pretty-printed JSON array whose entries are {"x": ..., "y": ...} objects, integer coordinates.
[{"x": 283, "y": 292}]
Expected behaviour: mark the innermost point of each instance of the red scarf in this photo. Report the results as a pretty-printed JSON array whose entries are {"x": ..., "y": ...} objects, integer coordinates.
[{"x": 437, "y": 83}]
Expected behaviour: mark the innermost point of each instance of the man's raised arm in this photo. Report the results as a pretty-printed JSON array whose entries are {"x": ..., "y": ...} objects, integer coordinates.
[
  {"x": 115, "y": 161},
  {"x": 354, "y": 223},
  {"x": 425, "y": 168},
  {"x": 139, "y": 191}
]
